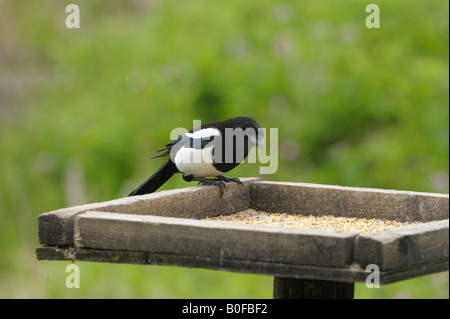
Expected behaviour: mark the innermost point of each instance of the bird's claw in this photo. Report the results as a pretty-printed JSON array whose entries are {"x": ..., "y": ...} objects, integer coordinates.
[
  {"x": 230, "y": 179},
  {"x": 214, "y": 182},
  {"x": 219, "y": 181}
]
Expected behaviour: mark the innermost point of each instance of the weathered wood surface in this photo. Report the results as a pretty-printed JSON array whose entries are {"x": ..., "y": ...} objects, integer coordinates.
[
  {"x": 56, "y": 227},
  {"x": 352, "y": 273},
  {"x": 405, "y": 246},
  {"x": 112, "y": 231},
  {"x": 291, "y": 288},
  {"x": 314, "y": 199},
  {"x": 144, "y": 230}
]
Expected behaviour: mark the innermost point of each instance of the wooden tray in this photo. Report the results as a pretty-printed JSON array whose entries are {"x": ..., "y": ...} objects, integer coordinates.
[{"x": 164, "y": 228}]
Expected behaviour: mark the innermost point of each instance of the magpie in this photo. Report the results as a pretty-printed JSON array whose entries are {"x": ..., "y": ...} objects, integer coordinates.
[{"x": 209, "y": 150}]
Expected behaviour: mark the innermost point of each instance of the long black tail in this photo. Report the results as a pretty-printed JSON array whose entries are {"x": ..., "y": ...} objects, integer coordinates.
[{"x": 161, "y": 176}]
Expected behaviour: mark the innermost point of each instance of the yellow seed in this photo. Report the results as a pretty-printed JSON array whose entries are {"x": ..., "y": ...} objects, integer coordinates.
[{"x": 360, "y": 225}]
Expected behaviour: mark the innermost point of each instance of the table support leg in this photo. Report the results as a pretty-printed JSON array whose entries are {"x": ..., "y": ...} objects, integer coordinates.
[{"x": 290, "y": 288}]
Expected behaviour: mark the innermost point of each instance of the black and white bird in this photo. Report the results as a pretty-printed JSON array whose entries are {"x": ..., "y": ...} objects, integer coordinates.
[{"x": 210, "y": 150}]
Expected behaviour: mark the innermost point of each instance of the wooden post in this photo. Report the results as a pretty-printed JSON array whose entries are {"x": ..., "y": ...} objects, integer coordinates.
[{"x": 290, "y": 288}]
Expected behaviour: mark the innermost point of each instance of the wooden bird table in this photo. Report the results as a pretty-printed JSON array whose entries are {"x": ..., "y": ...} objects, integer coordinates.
[{"x": 165, "y": 228}]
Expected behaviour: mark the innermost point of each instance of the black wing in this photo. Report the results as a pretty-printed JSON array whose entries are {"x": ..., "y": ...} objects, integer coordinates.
[
  {"x": 165, "y": 151},
  {"x": 186, "y": 141}
]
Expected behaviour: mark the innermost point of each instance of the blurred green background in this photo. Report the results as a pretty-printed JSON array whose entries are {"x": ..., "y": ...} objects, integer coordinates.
[{"x": 82, "y": 110}]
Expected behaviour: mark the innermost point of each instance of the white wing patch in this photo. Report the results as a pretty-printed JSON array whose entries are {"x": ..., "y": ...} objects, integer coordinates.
[
  {"x": 197, "y": 161},
  {"x": 206, "y": 132}
]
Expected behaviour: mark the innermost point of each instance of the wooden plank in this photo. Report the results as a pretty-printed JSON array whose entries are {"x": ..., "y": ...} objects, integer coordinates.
[
  {"x": 55, "y": 253},
  {"x": 111, "y": 231},
  {"x": 291, "y": 288},
  {"x": 300, "y": 198},
  {"x": 405, "y": 246},
  {"x": 403, "y": 273},
  {"x": 345, "y": 274},
  {"x": 56, "y": 227},
  {"x": 348, "y": 274},
  {"x": 79, "y": 254},
  {"x": 354, "y": 273}
]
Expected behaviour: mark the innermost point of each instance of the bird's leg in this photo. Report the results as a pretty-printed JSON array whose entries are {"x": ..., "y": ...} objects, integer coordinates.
[{"x": 206, "y": 181}]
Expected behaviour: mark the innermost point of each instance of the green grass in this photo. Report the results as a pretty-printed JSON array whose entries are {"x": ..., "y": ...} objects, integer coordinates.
[{"x": 82, "y": 111}]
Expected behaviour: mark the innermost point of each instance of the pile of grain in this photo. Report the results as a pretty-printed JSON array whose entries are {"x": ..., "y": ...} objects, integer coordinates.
[{"x": 348, "y": 224}]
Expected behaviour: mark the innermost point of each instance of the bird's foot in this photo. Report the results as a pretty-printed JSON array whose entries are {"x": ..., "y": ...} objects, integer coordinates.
[
  {"x": 219, "y": 181},
  {"x": 214, "y": 182},
  {"x": 230, "y": 179},
  {"x": 206, "y": 181}
]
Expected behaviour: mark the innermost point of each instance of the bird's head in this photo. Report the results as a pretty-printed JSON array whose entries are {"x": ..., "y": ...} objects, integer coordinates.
[{"x": 256, "y": 133}]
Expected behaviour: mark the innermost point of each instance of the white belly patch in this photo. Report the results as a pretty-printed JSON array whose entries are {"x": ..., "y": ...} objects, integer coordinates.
[{"x": 196, "y": 162}]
